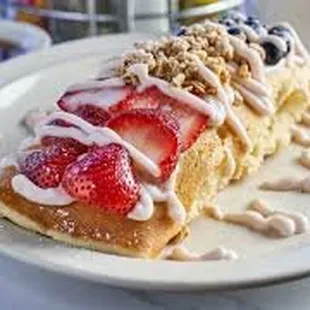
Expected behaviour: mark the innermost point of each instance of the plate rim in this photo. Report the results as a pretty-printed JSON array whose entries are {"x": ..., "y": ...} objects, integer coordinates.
[{"x": 290, "y": 266}]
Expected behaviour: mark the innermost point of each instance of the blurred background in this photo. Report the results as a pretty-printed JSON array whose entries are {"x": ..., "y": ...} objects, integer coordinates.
[{"x": 55, "y": 21}]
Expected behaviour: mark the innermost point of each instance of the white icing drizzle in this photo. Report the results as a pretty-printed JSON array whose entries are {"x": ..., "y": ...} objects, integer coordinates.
[
  {"x": 304, "y": 159},
  {"x": 263, "y": 219},
  {"x": 214, "y": 212},
  {"x": 300, "y": 220},
  {"x": 95, "y": 84},
  {"x": 300, "y": 136},
  {"x": 104, "y": 97},
  {"x": 306, "y": 119},
  {"x": 224, "y": 94},
  {"x": 150, "y": 193},
  {"x": 288, "y": 184},
  {"x": 256, "y": 94},
  {"x": 230, "y": 164},
  {"x": 251, "y": 55},
  {"x": 180, "y": 253},
  {"x": 89, "y": 134},
  {"x": 275, "y": 40},
  {"x": 32, "y": 118},
  {"x": 251, "y": 34},
  {"x": 141, "y": 71},
  {"x": 144, "y": 208},
  {"x": 49, "y": 197},
  {"x": 262, "y": 105},
  {"x": 300, "y": 48}
]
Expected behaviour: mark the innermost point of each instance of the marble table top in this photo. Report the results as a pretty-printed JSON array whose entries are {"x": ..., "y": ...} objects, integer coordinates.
[{"x": 26, "y": 287}]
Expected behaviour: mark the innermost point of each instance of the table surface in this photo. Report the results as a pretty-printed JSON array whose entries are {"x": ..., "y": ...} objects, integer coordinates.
[{"x": 27, "y": 287}]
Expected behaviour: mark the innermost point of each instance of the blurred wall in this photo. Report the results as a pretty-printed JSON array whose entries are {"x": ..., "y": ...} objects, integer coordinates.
[{"x": 297, "y": 12}]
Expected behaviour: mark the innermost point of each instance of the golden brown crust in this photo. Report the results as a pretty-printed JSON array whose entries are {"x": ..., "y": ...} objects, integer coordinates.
[{"x": 91, "y": 225}]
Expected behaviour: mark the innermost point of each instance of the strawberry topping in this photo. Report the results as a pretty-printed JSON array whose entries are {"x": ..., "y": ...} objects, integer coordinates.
[
  {"x": 92, "y": 104},
  {"x": 153, "y": 132},
  {"x": 75, "y": 146},
  {"x": 104, "y": 178},
  {"x": 92, "y": 114},
  {"x": 46, "y": 167},
  {"x": 191, "y": 122}
]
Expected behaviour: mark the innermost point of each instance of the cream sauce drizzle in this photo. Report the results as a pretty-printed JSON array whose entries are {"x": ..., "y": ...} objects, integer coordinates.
[
  {"x": 230, "y": 166},
  {"x": 51, "y": 196},
  {"x": 262, "y": 219},
  {"x": 88, "y": 135},
  {"x": 180, "y": 253},
  {"x": 300, "y": 48},
  {"x": 306, "y": 119},
  {"x": 32, "y": 118},
  {"x": 300, "y": 136},
  {"x": 141, "y": 71},
  {"x": 275, "y": 40},
  {"x": 104, "y": 97},
  {"x": 300, "y": 220},
  {"x": 95, "y": 84},
  {"x": 252, "y": 56},
  {"x": 224, "y": 95},
  {"x": 288, "y": 184},
  {"x": 304, "y": 159}
]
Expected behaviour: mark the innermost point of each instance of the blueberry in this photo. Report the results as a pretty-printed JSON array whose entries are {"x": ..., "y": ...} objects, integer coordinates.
[
  {"x": 278, "y": 30},
  {"x": 273, "y": 54},
  {"x": 253, "y": 22},
  {"x": 181, "y": 32},
  {"x": 235, "y": 31},
  {"x": 282, "y": 32},
  {"x": 228, "y": 22}
]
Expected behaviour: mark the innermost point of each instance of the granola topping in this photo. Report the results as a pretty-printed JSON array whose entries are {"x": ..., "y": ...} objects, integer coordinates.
[{"x": 171, "y": 58}]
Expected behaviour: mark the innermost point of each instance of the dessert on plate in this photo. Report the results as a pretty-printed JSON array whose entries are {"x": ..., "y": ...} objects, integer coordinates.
[{"x": 129, "y": 159}]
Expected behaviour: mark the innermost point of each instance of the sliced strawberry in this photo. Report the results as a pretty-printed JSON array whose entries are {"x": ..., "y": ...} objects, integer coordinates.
[
  {"x": 191, "y": 122},
  {"x": 153, "y": 132},
  {"x": 75, "y": 146},
  {"x": 92, "y": 114},
  {"x": 104, "y": 178},
  {"x": 46, "y": 167},
  {"x": 92, "y": 104},
  {"x": 61, "y": 123}
]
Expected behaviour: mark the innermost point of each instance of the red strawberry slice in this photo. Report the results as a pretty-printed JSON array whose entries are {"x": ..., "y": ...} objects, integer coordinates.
[
  {"x": 75, "y": 146},
  {"x": 153, "y": 132},
  {"x": 104, "y": 178},
  {"x": 92, "y": 104},
  {"x": 191, "y": 122},
  {"x": 46, "y": 167},
  {"x": 92, "y": 114}
]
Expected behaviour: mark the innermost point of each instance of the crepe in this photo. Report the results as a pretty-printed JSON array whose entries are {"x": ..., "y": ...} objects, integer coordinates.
[{"x": 217, "y": 158}]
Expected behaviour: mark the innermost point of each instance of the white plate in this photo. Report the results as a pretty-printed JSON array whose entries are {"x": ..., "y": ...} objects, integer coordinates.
[
  {"x": 38, "y": 80},
  {"x": 29, "y": 37}
]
